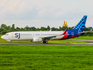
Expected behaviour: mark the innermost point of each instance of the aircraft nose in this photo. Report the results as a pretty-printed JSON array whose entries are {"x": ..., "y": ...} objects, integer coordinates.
[{"x": 2, "y": 37}]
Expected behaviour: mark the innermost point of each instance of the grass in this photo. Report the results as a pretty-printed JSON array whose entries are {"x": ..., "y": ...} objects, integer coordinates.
[
  {"x": 54, "y": 41},
  {"x": 18, "y": 57}
]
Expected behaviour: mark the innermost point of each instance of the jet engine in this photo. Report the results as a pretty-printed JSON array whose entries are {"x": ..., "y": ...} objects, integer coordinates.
[{"x": 37, "y": 39}]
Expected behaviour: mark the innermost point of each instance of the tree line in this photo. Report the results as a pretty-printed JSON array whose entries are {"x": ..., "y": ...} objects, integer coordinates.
[{"x": 5, "y": 29}]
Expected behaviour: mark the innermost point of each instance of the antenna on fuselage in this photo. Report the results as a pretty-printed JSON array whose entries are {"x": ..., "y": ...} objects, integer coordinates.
[{"x": 50, "y": 29}]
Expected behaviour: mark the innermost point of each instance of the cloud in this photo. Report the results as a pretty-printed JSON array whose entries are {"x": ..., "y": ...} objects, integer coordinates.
[
  {"x": 42, "y": 11},
  {"x": 21, "y": 7},
  {"x": 2, "y": 2},
  {"x": 37, "y": 20}
]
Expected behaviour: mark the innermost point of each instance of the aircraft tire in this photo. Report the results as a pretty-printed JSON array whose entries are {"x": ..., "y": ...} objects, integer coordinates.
[{"x": 45, "y": 42}]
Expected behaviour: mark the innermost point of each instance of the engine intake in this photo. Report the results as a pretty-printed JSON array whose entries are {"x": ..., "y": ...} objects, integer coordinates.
[{"x": 37, "y": 39}]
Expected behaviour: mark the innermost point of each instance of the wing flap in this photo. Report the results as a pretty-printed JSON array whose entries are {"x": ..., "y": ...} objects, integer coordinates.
[{"x": 48, "y": 38}]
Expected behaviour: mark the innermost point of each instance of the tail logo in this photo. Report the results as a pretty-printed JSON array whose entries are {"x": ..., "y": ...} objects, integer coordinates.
[
  {"x": 72, "y": 33},
  {"x": 81, "y": 25}
]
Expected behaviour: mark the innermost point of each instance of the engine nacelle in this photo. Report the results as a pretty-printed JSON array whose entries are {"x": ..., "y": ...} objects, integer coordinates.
[{"x": 37, "y": 39}]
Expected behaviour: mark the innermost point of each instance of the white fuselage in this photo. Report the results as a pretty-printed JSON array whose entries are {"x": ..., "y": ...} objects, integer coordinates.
[{"x": 30, "y": 35}]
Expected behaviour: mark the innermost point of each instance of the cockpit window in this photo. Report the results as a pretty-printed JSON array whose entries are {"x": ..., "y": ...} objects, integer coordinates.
[{"x": 6, "y": 34}]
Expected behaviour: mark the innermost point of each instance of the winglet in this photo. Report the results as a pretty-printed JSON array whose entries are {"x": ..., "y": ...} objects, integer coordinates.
[{"x": 64, "y": 32}]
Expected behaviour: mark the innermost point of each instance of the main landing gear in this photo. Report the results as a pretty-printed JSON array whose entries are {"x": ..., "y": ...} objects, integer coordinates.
[{"x": 45, "y": 42}]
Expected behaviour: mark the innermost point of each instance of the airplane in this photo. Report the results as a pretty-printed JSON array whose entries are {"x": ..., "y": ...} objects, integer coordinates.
[{"x": 38, "y": 36}]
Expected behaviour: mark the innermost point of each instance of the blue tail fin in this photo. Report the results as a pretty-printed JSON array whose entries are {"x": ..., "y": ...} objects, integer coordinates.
[{"x": 81, "y": 25}]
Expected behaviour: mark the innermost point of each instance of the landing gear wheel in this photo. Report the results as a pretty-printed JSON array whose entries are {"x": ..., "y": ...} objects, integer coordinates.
[{"x": 45, "y": 41}]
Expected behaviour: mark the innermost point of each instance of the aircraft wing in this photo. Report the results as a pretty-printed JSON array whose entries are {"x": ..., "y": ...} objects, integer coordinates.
[{"x": 49, "y": 37}]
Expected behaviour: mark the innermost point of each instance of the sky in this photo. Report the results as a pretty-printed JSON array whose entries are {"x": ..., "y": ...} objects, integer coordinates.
[{"x": 40, "y": 13}]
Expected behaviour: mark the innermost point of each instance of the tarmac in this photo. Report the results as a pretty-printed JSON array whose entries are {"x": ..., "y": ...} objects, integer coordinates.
[
  {"x": 46, "y": 44},
  {"x": 89, "y": 42}
]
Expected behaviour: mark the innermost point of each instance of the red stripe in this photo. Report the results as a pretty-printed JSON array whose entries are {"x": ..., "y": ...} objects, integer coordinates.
[
  {"x": 73, "y": 36},
  {"x": 65, "y": 36}
]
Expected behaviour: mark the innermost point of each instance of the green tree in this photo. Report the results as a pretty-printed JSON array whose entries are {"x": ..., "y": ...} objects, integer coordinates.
[
  {"x": 26, "y": 28},
  {"x": 43, "y": 28},
  {"x": 54, "y": 29},
  {"x": 48, "y": 27},
  {"x": 17, "y": 29},
  {"x": 33, "y": 28},
  {"x": 4, "y": 26},
  {"x": 1, "y": 31},
  {"x": 13, "y": 27},
  {"x": 64, "y": 28}
]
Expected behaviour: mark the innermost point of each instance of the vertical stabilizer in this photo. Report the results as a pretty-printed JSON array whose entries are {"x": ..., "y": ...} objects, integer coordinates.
[{"x": 81, "y": 25}]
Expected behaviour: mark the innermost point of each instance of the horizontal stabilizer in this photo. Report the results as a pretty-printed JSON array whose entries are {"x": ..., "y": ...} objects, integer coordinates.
[{"x": 82, "y": 33}]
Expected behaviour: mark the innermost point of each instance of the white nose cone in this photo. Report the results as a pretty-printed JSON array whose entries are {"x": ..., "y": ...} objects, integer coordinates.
[{"x": 2, "y": 37}]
